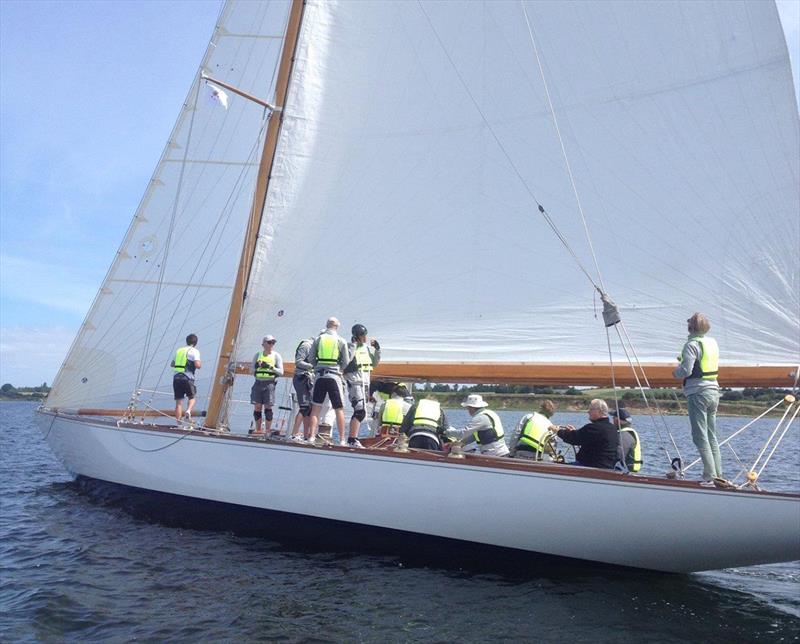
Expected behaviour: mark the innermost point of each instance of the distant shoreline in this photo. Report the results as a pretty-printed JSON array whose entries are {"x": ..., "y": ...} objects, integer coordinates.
[{"x": 563, "y": 402}]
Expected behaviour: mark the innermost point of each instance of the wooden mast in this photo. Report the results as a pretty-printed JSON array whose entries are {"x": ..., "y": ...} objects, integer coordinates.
[{"x": 221, "y": 382}]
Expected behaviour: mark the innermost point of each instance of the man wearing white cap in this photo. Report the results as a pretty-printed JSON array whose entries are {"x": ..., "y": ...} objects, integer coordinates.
[
  {"x": 267, "y": 366},
  {"x": 484, "y": 428}
]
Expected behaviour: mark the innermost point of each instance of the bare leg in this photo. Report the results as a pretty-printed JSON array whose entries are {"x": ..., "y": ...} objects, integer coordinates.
[
  {"x": 258, "y": 408},
  {"x": 340, "y": 424},
  {"x": 354, "y": 425},
  {"x": 315, "y": 412},
  {"x": 267, "y": 425},
  {"x": 179, "y": 410},
  {"x": 298, "y": 419},
  {"x": 190, "y": 406}
]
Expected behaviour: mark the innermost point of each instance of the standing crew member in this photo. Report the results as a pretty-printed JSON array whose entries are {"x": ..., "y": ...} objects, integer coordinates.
[
  {"x": 267, "y": 366},
  {"x": 330, "y": 356},
  {"x": 184, "y": 364},
  {"x": 303, "y": 383},
  {"x": 598, "y": 438},
  {"x": 699, "y": 362},
  {"x": 532, "y": 435},
  {"x": 484, "y": 428},
  {"x": 365, "y": 357},
  {"x": 425, "y": 425},
  {"x": 629, "y": 444}
]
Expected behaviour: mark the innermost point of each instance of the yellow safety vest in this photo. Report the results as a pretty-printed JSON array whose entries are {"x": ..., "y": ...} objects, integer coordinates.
[
  {"x": 708, "y": 365},
  {"x": 427, "y": 414},
  {"x": 181, "y": 361},
  {"x": 328, "y": 350},
  {"x": 637, "y": 450},
  {"x": 363, "y": 358},
  {"x": 264, "y": 363},
  {"x": 393, "y": 412},
  {"x": 534, "y": 433},
  {"x": 487, "y": 436}
]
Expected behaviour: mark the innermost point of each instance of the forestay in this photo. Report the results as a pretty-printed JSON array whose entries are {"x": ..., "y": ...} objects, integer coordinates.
[
  {"x": 392, "y": 204},
  {"x": 175, "y": 268}
]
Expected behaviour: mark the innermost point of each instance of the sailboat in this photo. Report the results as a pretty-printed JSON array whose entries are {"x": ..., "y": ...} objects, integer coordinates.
[{"x": 474, "y": 181}]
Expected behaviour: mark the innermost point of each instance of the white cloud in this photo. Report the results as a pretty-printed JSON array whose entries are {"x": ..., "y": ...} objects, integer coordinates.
[{"x": 30, "y": 356}]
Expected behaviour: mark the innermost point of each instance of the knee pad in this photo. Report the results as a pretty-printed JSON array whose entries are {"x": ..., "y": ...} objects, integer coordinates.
[
  {"x": 359, "y": 415},
  {"x": 257, "y": 416},
  {"x": 268, "y": 414},
  {"x": 305, "y": 411}
]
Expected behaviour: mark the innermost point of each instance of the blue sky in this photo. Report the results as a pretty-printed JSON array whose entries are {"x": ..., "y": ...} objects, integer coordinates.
[{"x": 89, "y": 92}]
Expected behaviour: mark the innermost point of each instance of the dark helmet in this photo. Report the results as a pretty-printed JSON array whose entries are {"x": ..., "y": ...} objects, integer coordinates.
[{"x": 358, "y": 330}]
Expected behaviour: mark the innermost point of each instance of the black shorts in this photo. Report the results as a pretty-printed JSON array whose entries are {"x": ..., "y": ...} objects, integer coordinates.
[
  {"x": 183, "y": 386},
  {"x": 424, "y": 442},
  {"x": 332, "y": 387},
  {"x": 263, "y": 393},
  {"x": 303, "y": 384}
]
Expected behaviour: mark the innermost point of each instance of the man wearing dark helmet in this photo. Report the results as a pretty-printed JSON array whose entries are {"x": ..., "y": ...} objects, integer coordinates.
[{"x": 366, "y": 354}]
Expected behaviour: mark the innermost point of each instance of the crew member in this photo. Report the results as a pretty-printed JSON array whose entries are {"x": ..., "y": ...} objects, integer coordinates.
[
  {"x": 629, "y": 444},
  {"x": 485, "y": 428},
  {"x": 598, "y": 439},
  {"x": 699, "y": 362},
  {"x": 303, "y": 383},
  {"x": 395, "y": 409},
  {"x": 267, "y": 366},
  {"x": 425, "y": 424},
  {"x": 366, "y": 354},
  {"x": 184, "y": 364},
  {"x": 330, "y": 356},
  {"x": 531, "y": 435}
]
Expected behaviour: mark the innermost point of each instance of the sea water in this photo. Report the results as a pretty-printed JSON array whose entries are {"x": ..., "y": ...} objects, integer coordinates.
[{"x": 83, "y": 563}]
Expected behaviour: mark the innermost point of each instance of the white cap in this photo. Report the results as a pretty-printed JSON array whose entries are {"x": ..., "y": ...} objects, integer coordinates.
[
  {"x": 475, "y": 400},
  {"x": 268, "y": 338}
]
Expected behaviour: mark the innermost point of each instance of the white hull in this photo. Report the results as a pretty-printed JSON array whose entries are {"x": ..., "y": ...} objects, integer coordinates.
[{"x": 621, "y": 521}]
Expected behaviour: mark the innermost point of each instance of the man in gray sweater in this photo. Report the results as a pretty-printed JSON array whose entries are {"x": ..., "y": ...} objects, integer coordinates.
[{"x": 699, "y": 361}]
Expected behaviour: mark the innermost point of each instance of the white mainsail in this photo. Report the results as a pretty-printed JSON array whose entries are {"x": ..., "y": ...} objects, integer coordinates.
[
  {"x": 182, "y": 249},
  {"x": 392, "y": 203}
]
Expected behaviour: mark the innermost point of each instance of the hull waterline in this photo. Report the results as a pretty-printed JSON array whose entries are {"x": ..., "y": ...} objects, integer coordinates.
[{"x": 555, "y": 510}]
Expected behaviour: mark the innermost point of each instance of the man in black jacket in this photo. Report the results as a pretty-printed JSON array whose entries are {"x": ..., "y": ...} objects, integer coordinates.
[{"x": 598, "y": 439}]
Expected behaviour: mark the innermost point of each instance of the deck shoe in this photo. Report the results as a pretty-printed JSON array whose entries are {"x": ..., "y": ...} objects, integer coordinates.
[
  {"x": 354, "y": 442},
  {"x": 707, "y": 483}
]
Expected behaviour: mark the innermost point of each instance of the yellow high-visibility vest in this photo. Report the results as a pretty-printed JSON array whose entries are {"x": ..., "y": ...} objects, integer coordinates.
[{"x": 265, "y": 362}]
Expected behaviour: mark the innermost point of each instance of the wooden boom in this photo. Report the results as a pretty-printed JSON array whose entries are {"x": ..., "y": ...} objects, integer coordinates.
[{"x": 578, "y": 373}]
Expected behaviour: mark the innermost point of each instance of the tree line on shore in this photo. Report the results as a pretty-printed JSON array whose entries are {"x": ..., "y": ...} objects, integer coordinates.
[{"x": 10, "y": 392}]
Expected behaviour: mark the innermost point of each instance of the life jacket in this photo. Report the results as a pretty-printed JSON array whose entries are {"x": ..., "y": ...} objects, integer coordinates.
[
  {"x": 495, "y": 433},
  {"x": 363, "y": 358},
  {"x": 707, "y": 367},
  {"x": 181, "y": 361},
  {"x": 534, "y": 433},
  {"x": 265, "y": 362},
  {"x": 636, "y": 464},
  {"x": 328, "y": 349},
  {"x": 393, "y": 412},
  {"x": 427, "y": 414}
]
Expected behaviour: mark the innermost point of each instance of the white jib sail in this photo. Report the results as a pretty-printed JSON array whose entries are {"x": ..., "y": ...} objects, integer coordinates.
[
  {"x": 392, "y": 203},
  {"x": 174, "y": 271}
]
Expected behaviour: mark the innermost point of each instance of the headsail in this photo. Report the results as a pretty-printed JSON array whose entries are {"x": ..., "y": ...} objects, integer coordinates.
[
  {"x": 394, "y": 205},
  {"x": 174, "y": 270}
]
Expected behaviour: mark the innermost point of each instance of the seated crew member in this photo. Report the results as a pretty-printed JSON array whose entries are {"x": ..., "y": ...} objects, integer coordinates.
[
  {"x": 598, "y": 439},
  {"x": 532, "y": 434},
  {"x": 425, "y": 423},
  {"x": 184, "y": 364},
  {"x": 330, "y": 356},
  {"x": 379, "y": 392},
  {"x": 630, "y": 447},
  {"x": 366, "y": 354},
  {"x": 395, "y": 409},
  {"x": 267, "y": 366},
  {"x": 485, "y": 428},
  {"x": 303, "y": 383}
]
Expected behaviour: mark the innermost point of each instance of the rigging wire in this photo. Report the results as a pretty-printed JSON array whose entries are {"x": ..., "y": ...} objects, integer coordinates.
[
  {"x": 561, "y": 142},
  {"x": 514, "y": 167},
  {"x": 170, "y": 231}
]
